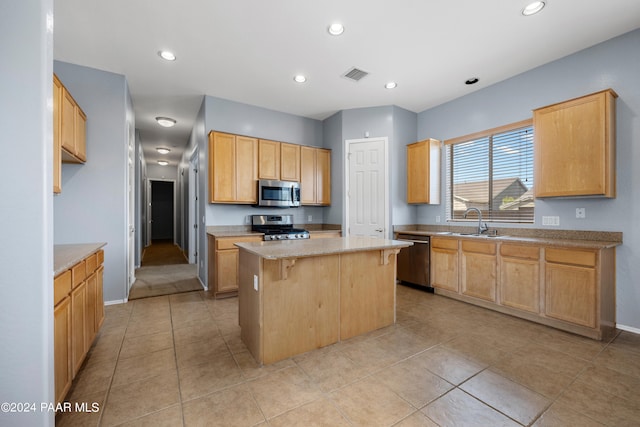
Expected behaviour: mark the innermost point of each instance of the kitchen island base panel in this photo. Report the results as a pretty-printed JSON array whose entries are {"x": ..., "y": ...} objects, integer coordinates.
[{"x": 302, "y": 304}]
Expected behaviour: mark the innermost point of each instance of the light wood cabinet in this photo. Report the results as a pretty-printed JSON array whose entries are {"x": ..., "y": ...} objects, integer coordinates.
[
  {"x": 571, "y": 292},
  {"x": 72, "y": 129},
  {"x": 572, "y": 289},
  {"x": 325, "y": 234},
  {"x": 575, "y": 147},
  {"x": 223, "y": 264},
  {"x": 479, "y": 269},
  {"x": 315, "y": 176},
  {"x": 289, "y": 162},
  {"x": 444, "y": 264},
  {"x": 520, "y": 277},
  {"x": 268, "y": 159},
  {"x": 423, "y": 172},
  {"x": 57, "y": 143},
  {"x": 63, "y": 371},
  {"x": 78, "y": 316},
  {"x": 232, "y": 168}
]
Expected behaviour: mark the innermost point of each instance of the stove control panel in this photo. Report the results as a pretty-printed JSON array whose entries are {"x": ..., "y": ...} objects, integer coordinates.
[{"x": 286, "y": 236}]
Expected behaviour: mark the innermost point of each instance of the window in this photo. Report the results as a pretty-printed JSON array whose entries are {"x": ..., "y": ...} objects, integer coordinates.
[{"x": 493, "y": 172}]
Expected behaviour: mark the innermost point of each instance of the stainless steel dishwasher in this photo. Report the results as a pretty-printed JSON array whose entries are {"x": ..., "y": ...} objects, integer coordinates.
[{"x": 413, "y": 262}]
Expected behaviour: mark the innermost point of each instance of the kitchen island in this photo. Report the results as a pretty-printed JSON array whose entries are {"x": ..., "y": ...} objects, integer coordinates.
[{"x": 297, "y": 296}]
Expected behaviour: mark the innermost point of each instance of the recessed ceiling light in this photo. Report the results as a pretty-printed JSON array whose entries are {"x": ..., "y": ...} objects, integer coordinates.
[
  {"x": 167, "y": 55},
  {"x": 336, "y": 29},
  {"x": 166, "y": 121},
  {"x": 533, "y": 8},
  {"x": 300, "y": 78},
  {"x": 163, "y": 162},
  {"x": 472, "y": 81},
  {"x": 391, "y": 85},
  {"x": 162, "y": 150}
]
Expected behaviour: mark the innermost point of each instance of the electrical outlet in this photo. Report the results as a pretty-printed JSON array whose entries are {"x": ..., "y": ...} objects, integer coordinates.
[
  {"x": 581, "y": 213},
  {"x": 551, "y": 220},
  {"x": 437, "y": 218},
  {"x": 310, "y": 218}
]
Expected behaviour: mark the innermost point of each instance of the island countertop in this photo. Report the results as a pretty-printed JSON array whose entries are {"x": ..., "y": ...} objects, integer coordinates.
[{"x": 319, "y": 247}]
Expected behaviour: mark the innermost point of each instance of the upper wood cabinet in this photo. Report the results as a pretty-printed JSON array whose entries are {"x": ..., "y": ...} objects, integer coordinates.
[
  {"x": 72, "y": 129},
  {"x": 57, "y": 143},
  {"x": 315, "y": 176},
  {"x": 423, "y": 172},
  {"x": 575, "y": 147},
  {"x": 233, "y": 168},
  {"x": 289, "y": 162},
  {"x": 278, "y": 160},
  {"x": 268, "y": 159}
]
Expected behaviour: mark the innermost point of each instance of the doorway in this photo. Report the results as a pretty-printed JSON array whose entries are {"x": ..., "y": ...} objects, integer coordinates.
[
  {"x": 367, "y": 184},
  {"x": 161, "y": 211}
]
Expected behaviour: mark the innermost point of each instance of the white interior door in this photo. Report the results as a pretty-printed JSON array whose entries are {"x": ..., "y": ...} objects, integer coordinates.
[
  {"x": 131, "y": 218},
  {"x": 367, "y": 187},
  {"x": 193, "y": 209}
]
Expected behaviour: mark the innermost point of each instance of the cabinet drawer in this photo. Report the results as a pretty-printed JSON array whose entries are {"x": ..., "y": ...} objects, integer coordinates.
[
  {"x": 91, "y": 263},
  {"x": 571, "y": 256},
  {"x": 79, "y": 273},
  {"x": 479, "y": 247},
  {"x": 517, "y": 251},
  {"x": 61, "y": 287},
  {"x": 228, "y": 243},
  {"x": 444, "y": 243}
]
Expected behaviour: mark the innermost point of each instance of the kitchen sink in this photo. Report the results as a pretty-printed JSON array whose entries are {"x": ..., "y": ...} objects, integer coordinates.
[{"x": 451, "y": 233}]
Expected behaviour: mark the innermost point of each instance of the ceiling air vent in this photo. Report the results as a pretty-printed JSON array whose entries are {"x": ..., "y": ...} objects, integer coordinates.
[{"x": 355, "y": 74}]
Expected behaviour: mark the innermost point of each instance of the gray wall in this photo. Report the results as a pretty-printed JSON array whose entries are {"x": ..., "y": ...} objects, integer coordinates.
[
  {"x": 26, "y": 209},
  {"x": 612, "y": 64},
  {"x": 93, "y": 204}
]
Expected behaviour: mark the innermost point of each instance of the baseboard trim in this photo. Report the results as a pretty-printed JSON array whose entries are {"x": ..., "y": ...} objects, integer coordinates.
[
  {"x": 628, "y": 329},
  {"x": 117, "y": 301}
]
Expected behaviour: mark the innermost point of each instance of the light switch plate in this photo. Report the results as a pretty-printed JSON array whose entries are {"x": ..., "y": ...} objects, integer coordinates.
[{"x": 551, "y": 220}]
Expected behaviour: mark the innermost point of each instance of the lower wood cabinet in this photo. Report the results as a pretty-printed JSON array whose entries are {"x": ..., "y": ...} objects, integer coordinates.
[
  {"x": 568, "y": 288},
  {"x": 520, "y": 277},
  {"x": 479, "y": 265},
  {"x": 325, "y": 234},
  {"x": 223, "y": 264},
  {"x": 444, "y": 264},
  {"x": 78, "y": 315}
]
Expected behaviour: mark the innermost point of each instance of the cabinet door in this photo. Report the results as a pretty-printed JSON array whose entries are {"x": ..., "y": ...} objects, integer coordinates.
[
  {"x": 80, "y": 134},
  {"x": 90, "y": 311},
  {"x": 571, "y": 293},
  {"x": 246, "y": 170},
  {"x": 62, "y": 348},
  {"x": 520, "y": 277},
  {"x": 57, "y": 143},
  {"x": 444, "y": 264},
  {"x": 222, "y": 167},
  {"x": 323, "y": 177},
  {"x": 227, "y": 270},
  {"x": 67, "y": 124},
  {"x": 99, "y": 298},
  {"x": 78, "y": 333},
  {"x": 308, "y": 175},
  {"x": 575, "y": 147},
  {"x": 268, "y": 159},
  {"x": 479, "y": 270},
  {"x": 289, "y": 162}
]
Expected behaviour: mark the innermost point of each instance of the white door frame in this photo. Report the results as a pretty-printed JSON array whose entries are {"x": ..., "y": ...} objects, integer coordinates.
[
  {"x": 387, "y": 207},
  {"x": 193, "y": 208}
]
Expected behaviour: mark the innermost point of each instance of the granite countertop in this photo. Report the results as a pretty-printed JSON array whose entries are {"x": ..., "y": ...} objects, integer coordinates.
[
  {"x": 569, "y": 239},
  {"x": 66, "y": 256},
  {"x": 319, "y": 247}
]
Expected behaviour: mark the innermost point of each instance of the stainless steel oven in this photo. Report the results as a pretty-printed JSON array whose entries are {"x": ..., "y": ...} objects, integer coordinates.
[{"x": 279, "y": 194}]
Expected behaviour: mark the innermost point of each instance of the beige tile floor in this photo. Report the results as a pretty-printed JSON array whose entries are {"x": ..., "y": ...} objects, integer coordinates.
[{"x": 178, "y": 361}]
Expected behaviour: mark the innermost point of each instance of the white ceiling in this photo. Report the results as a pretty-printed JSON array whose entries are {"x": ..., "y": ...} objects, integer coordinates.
[{"x": 249, "y": 50}]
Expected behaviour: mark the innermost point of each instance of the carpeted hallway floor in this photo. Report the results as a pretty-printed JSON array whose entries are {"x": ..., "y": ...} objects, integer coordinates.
[{"x": 164, "y": 271}]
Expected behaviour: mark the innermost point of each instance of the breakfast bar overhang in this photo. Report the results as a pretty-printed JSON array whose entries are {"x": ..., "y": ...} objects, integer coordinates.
[{"x": 297, "y": 296}]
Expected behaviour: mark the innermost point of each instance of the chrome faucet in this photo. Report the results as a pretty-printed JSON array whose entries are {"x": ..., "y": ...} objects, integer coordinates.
[{"x": 482, "y": 227}]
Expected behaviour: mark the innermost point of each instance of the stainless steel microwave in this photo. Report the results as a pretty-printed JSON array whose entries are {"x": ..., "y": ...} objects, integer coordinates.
[{"x": 280, "y": 194}]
